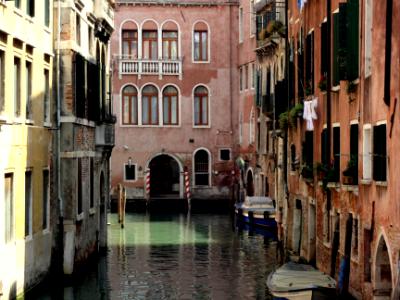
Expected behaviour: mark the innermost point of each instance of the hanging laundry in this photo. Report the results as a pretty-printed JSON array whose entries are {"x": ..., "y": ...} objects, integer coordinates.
[{"x": 309, "y": 113}]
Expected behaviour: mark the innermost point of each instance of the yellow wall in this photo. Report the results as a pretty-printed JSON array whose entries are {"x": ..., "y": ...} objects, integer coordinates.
[{"x": 25, "y": 144}]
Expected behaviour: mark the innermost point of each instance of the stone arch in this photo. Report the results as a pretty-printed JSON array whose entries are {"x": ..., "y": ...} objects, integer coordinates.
[{"x": 382, "y": 270}]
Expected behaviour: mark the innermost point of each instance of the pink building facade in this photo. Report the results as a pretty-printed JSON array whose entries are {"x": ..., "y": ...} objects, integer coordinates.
[{"x": 175, "y": 90}]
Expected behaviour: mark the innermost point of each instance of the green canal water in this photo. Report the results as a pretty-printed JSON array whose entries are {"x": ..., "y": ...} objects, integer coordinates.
[{"x": 179, "y": 256}]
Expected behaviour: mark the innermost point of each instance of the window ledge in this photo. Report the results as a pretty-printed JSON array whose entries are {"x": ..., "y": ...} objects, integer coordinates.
[
  {"x": 80, "y": 217},
  {"x": 201, "y": 62},
  {"x": 92, "y": 211},
  {"x": 202, "y": 126},
  {"x": 381, "y": 183},
  {"x": 327, "y": 244},
  {"x": 4, "y": 120},
  {"x": 18, "y": 121},
  {"x": 28, "y": 238},
  {"x": 29, "y": 122},
  {"x": 333, "y": 185},
  {"x": 47, "y": 124},
  {"x": 46, "y": 231},
  {"x": 336, "y": 88},
  {"x": 349, "y": 188},
  {"x": 366, "y": 181}
]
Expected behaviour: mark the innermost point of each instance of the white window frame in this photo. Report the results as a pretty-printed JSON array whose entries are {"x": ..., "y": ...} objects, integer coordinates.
[
  {"x": 124, "y": 171},
  {"x": 241, "y": 31},
  {"x": 367, "y": 153},
  {"x": 47, "y": 121},
  {"x": 209, "y": 107},
  {"x": 209, "y": 167},
  {"x": 253, "y": 76},
  {"x": 208, "y": 43},
  {"x": 368, "y": 40},
  {"x": 3, "y": 208},
  {"x": 252, "y": 19}
]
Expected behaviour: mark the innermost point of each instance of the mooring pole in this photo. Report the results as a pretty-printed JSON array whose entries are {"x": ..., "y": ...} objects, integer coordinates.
[
  {"x": 187, "y": 188},
  {"x": 147, "y": 194}
]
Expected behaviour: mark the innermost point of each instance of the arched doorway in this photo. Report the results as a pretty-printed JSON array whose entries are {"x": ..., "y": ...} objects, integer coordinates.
[
  {"x": 249, "y": 184},
  {"x": 383, "y": 272},
  {"x": 164, "y": 176}
]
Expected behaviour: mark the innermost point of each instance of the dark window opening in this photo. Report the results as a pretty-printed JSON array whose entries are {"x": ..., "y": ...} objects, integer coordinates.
[
  {"x": 80, "y": 86},
  {"x": 28, "y": 203},
  {"x": 201, "y": 168},
  {"x": 91, "y": 183},
  {"x": 46, "y": 196},
  {"x": 225, "y": 154},
  {"x": 379, "y": 161},
  {"x": 130, "y": 172},
  {"x": 79, "y": 181},
  {"x": 324, "y": 148},
  {"x": 336, "y": 154},
  {"x": 310, "y": 64},
  {"x": 30, "y": 8}
]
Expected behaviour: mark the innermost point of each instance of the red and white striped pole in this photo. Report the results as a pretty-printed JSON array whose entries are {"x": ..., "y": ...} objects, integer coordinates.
[
  {"x": 187, "y": 186},
  {"x": 147, "y": 185}
]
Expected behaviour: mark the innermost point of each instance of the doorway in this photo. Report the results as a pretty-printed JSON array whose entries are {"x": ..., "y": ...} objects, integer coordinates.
[{"x": 164, "y": 176}]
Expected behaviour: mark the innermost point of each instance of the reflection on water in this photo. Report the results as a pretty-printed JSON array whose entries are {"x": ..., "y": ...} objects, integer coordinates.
[{"x": 179, "y": 256}]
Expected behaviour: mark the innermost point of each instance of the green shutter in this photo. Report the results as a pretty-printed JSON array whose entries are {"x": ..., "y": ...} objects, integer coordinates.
[
  {"x": 343, "y": 46},
  {"x": 335, "y": 61},
  {"x": 352, "y": 39}
]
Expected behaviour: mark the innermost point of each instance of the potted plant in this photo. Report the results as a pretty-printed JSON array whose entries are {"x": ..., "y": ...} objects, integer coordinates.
[
  {"x": 323, "y": 83},
  {"x": 350, "y": 174},
  {"x": 306, "y": 171},
  {"x": 276, "y": 26},
  {"x": 325, "y": 174}
]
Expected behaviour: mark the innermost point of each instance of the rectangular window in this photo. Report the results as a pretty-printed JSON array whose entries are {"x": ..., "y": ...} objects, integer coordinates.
[
  {"x": 47, "y": 12},
  {"x": 28, "y": 203},
  {"x": 308, "y": 149},
  {"x": 30, "y": 8},
  {"x": 78, "y": 29},
  {"x": 17, "y": 87},
  {"x": 300, "y": 68},
  {"x": 352, "y": 33},
  {"x": 354, "y": 238},
  {"x": 8, "y": 216},
  {"x": 324, "y": 148},
  {"x": 90, "y": 39},
  {"x": 130, "y": 43},
  {"x": 46, "y": 197},
  {"x": 28, "y": 82},
  {"x": 324, "y": 50},
  {"x": 380, "y": 155},
  {"x": 240, "y": 24},
  {"x": 336, "y": 153},
  {"x": 367, "y": 153},
  {"x": 253, "y": 75},
  {"x": 246, "y": 77},
  {"x": 241, "y": 78},
  {"x": 200, "y": 45},
  {"x": 130, "y": 172},
  {"x": 46, "y": 96},
  {"x": 353, "y": 159},
  {"x": 17, "y": 3},
  {"x": 79, "y": 189},
  {"x": 310, "y": 63},
  {"x": 252, "y": 19},
  {"x": 2, "y": 75},
  {"x": 368, "y": 38},
  {"x": 91, "y": 183},
  {"x": 335, "y": 52},
  {"x": 225, "y": 154},
  {"x": 170, "y": 44},
  {"x": 150, "y": 46}
]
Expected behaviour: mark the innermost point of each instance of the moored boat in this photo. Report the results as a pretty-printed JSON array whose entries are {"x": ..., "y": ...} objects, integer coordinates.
[
  {"x": 294, "y": 281},
  {"x": 257, "y": 210}
]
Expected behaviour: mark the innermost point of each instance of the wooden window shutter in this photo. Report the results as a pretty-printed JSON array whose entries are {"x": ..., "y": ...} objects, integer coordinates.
[
  {"x": 335, "y": 53},
  {"x": 352, "y": 32}
]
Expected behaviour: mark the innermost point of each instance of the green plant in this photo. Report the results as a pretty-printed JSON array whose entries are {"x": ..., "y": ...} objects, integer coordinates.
[
  {"x": 296, "y": 112},
  {"x": 306, "y": 171},
  {"x": 283, "y": 120},
  {"x": 275, "y": 26},
  {"x": 352, "y": 165},
  {"x": 323, "y": 84},
  {"x": 325, "y": 174}
]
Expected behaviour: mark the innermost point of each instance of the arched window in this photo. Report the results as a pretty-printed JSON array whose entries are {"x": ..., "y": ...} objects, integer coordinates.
[
  {"x": 129, "y": 105},
  {"x": 201, "y": 168},
  {"x": 200, "y": 42},
  {"x": 201, "y": 106},
  {"x": 150, "y": 105},
  {"x": 170, "y": 106},
  {"x": 129, "y": 40},
  {"x": 170, "y": 41},
  {"x": 150, "y": 40}
]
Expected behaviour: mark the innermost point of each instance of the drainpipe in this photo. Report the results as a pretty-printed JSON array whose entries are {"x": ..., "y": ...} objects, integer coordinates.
[{"x": 60, "y": 199}]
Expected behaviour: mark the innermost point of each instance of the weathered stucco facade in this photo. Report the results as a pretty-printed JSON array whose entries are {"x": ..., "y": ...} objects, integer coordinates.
[
  {"x": 184, "y": 63},
  {"x": 86, "y": 135},
  {"x": 347, "y": 212},
  {"x": 26, "y": 123}
]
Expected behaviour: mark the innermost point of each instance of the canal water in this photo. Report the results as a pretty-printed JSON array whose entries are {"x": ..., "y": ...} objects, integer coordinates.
[{"x": 179, "y": 256}]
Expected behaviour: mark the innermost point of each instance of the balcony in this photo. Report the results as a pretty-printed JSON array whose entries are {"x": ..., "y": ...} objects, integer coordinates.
[
  {"x": 163, "y": 67},
  {"x": 105, "y": 135},
  {"x": 103, "y": 10}
]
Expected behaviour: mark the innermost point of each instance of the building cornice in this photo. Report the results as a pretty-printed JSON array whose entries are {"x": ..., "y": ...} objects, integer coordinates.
[{"x": 201, "y": 3}]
